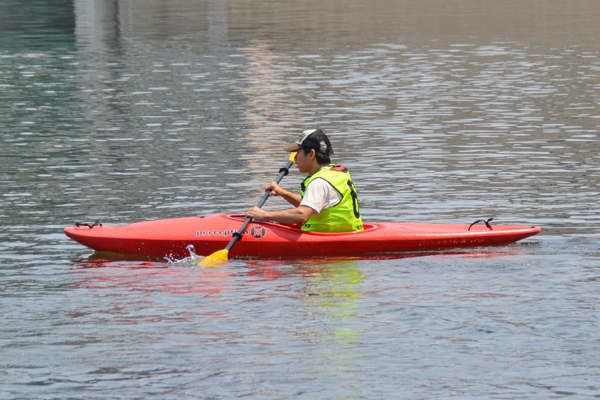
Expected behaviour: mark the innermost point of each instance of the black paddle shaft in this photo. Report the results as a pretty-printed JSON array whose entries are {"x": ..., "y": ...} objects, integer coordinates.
[{"x": 238, "y": 235}]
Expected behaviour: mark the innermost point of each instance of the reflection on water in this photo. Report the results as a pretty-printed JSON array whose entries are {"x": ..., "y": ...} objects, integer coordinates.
[
  {"x": 444, "y": 111},
  {"x": 149, "y": 277}
]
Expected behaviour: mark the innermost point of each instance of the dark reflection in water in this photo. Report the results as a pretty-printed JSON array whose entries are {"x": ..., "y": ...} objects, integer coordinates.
[
  {"x": 444, "y": 111},
  {"x": 36, "y": 24}
]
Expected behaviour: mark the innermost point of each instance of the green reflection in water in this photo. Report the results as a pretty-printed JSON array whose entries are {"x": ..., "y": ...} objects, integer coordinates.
[
  {"x": 335, "y": 293},
  {"x": 334, "y": 289}
]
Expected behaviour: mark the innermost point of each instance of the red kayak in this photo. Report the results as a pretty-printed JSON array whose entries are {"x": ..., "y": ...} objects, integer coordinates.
[{"x": 171, "y": 237}]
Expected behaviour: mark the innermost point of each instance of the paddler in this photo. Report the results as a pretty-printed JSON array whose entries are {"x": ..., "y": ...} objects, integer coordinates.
[{"x": 327, "y": 200}]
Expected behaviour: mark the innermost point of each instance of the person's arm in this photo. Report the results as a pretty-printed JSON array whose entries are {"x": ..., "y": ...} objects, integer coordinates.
[
  {"x": 276, "y": 190},
  {"x": 298, "y": 215}
]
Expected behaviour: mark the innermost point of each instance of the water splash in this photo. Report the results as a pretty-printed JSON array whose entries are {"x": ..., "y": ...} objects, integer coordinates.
[{"x": 192, "y": 261}]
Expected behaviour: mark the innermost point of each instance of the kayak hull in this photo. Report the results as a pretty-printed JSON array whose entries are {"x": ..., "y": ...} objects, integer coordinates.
[{"x": 171, "y": 238}]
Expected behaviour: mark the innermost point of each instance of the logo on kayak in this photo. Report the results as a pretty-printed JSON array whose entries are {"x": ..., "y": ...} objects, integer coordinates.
[
  {"x": 258, "y": 231},
  {"x": 218, "y": 233}
]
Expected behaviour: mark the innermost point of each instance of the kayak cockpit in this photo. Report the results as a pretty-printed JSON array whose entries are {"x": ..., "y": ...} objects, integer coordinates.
[{"x": 241, "y": 218}]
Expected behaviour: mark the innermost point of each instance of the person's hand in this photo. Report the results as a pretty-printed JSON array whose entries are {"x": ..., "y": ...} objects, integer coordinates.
[
  {"x": 275, "y": 189},
  {"x": 256, "y": 213}
]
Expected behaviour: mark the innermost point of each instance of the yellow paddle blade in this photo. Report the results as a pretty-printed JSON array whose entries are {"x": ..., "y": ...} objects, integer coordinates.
[
  {"x": 292, "y": 156},
  {"x": 215, "y": 259}
]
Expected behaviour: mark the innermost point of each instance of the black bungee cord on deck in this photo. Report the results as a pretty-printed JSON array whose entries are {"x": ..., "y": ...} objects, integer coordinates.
[
  {"x": 97, "y": 223},
  {"x": 487, "y": 223}
]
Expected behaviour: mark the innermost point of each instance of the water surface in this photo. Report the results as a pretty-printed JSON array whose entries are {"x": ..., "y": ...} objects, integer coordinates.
[{"x": 444, "y": 111}]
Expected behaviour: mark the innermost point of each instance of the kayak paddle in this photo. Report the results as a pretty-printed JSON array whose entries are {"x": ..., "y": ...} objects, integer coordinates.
[{"x": 222, "y": 255}]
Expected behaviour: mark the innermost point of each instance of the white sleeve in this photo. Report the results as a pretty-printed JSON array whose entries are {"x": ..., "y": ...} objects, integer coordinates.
[{"x": 319, "y": 194}]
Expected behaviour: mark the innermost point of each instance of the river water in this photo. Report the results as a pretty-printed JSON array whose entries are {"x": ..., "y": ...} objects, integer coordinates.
[{"x": 444, "y": 111}]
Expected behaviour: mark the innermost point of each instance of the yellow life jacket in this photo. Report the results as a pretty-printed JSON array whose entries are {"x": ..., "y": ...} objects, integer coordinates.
[{"x": 344, "y": 216}]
